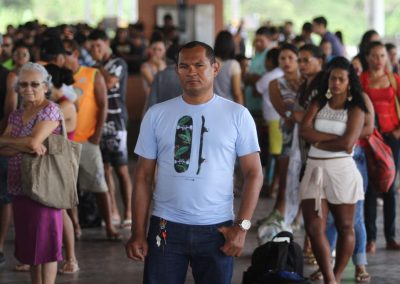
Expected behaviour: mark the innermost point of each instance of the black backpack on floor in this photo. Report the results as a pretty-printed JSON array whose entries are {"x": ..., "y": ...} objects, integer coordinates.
[{"x": 279, "y": 261}]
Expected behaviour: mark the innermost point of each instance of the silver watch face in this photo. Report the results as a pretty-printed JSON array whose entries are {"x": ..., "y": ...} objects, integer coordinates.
[{"x": 245, "y": 224}]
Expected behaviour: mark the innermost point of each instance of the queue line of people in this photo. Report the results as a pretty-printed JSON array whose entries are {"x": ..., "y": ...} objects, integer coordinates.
[{"x": 300, "y": 94}]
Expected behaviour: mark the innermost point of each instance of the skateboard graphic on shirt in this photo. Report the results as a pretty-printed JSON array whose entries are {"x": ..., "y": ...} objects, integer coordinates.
[{"x": 183, "y": 143}]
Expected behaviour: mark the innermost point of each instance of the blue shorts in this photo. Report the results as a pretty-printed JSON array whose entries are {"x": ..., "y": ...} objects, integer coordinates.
[
  {"x": 197, "y": 245},
  {"x": 5, "y": 197}
]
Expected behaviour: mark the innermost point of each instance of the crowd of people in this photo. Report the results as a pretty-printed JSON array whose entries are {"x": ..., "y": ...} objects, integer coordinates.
[{"x": 297, "y": 110}]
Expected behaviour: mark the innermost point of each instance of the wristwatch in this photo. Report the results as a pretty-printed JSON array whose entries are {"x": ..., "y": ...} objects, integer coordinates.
[{"x": 243, "y": 224}]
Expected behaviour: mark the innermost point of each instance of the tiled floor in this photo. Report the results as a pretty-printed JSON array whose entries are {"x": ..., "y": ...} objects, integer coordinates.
[{"x": 105, "y": 262}]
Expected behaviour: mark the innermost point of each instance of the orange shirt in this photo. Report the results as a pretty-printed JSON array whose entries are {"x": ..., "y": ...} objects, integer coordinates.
[{"x": 88, "y": 109}]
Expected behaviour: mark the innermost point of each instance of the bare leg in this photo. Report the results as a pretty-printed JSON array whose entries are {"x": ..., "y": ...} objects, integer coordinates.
[
  {"x": 283, "y": 164},
  {"x": 49, "y": 272},
  {"x": 344, "y": 222},
  {"x": 108, "y": 172},
  {"x": 36, "y": 274},
  {"x": 69, "y": 244},
  {"x": 103, "y": 201},
  {"x": 126, "y": 189},
  {"x": 315, "y": 227},
  {"x": 6, "y": 211},
  {"x": 73, "y": 213}
]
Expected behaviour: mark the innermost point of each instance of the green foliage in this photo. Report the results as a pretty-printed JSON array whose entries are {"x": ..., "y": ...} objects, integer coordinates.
[{"x": 15, "y": 3}]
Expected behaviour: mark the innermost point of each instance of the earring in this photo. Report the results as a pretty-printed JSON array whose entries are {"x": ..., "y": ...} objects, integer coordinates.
[
  {"x": 349, "y": 98},
  {"x": 328, "y": 94}
]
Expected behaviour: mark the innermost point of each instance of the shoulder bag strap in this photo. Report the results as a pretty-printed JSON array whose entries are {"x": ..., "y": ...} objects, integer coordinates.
[
  {"x": 63, "y": 128},
  {"x": 393, "y": 83}
]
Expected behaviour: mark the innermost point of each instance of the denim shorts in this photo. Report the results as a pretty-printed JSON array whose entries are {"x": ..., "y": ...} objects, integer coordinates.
[{"x": 198, "y": 245}]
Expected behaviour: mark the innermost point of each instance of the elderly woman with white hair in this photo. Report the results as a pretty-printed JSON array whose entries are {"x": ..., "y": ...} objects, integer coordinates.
[{"x": 38, "y": 229}]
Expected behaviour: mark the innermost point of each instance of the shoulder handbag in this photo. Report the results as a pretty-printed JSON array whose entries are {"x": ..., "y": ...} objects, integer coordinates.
[
  {"x": 51, "y": 179},
  {"x": 380, "y": 163}
]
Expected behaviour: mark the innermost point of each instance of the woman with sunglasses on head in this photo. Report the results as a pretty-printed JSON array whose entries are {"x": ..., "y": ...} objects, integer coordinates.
[
  {"x": 38, "y": 229},
  {"x": 382, "y": 87},
  {"x": 331, "y": 181},
  {"x": 310, "y": 61}
]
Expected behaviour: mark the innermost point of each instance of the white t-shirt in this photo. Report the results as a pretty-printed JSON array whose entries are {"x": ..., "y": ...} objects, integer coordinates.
[
  {"x": 196, "y": 147},
  {"x": 262, "y": 86}
]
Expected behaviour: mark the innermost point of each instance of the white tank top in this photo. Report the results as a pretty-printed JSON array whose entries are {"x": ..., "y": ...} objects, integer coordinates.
[{"x": 332, "y": 121}]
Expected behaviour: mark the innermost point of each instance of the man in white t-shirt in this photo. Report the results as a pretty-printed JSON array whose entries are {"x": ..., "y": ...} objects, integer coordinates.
[{"x": 193, "y": 140}]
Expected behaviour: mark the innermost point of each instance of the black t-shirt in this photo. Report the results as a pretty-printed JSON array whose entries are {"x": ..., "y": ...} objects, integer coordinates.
[{"x": 117, "y": 115}]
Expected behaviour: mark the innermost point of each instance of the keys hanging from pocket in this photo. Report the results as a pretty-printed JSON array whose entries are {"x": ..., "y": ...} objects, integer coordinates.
[{"x": 162, "y": 235}]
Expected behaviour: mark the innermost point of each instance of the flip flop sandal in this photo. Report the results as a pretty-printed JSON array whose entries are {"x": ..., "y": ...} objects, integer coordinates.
[
  {"x": 20, "y": 267},
  {"x": 114, "y": 237},
  {"x": 363, "y": 277},
  {"x": 316, "y": 275},
  {"x": 69, "y": 267},
  {"x": 78, "y": 233},
  {"x": 126, "y": 224},
  {"x": 310, "y": 258}
]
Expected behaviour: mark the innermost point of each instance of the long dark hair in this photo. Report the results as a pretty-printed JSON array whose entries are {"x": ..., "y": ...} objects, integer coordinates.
[
  {"x": 365, "y": 40},
  {"x": 224, "y": 46},
  {"x": 354, "y": 84}
]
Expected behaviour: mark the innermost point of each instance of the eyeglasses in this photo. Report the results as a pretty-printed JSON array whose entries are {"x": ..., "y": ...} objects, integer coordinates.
[
  {"x": 33, "y": 84},
  {"x": 305, "y": 60}
]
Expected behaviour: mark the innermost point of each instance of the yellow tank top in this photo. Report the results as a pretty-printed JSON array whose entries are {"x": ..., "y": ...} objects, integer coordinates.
[{"x": 88, "y": 110}]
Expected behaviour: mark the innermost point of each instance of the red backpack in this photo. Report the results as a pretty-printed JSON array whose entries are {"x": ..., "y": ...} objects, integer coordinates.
[{"x": 380, "y": 163}]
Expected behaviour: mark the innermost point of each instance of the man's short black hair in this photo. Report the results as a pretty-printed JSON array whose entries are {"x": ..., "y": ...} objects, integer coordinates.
[
  {"x": 321, "y": 21},
  {"x": 307, "y": 27},
  {"x": 263, "y": 31},
  {"x": 316, "y": 51},
  {"x": 98, "y": 34},
  {"x": 209, "y": 51},
  {"x": 389, "y": 46}
]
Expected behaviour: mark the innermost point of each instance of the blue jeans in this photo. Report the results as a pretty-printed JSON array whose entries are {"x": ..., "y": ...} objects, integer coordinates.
[
  {"x": 197, "y": 245},
  {"x": 389, "y": 201},
  {"x": 359, "y": 253}
]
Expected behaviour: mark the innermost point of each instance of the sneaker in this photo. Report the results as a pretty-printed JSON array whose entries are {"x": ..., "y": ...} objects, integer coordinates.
[{"x": 274, "y": 216}]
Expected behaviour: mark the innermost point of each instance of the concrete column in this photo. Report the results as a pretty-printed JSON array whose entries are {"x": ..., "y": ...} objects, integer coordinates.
[
  {"x": 87, "y": 10},
  {"x": 134, "y": 11},
  {"x": 120, "y": 9},
  {"x": 235, "y": 10},
  {"x": 110, "y": 12},
  {"x": 376, "y": 15}
]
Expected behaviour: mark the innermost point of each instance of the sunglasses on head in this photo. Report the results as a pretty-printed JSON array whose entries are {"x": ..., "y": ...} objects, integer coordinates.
[
  {"x": 305, "y": 60},
  {"x": 33, "y": 84}
]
